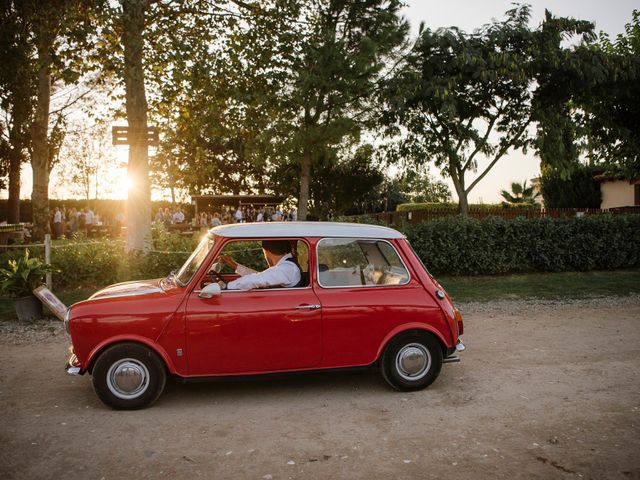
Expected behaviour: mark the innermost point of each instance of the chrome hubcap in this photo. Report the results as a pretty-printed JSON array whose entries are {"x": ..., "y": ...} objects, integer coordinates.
[
  {"x": 128, "y": 378},
  {"x": 413, "y": 361}
]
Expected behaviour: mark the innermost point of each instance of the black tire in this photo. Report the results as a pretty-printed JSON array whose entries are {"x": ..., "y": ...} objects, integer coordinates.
[
  {"x": 411, "y": 361},
  {"x": 128, "y": 376}
]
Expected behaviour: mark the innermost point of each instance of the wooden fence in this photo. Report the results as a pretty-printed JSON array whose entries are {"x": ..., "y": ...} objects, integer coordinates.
[{"x": 418, "y": 216}]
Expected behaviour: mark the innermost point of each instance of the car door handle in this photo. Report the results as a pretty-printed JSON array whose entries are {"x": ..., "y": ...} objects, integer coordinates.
[{"x": 307, "y": 307}]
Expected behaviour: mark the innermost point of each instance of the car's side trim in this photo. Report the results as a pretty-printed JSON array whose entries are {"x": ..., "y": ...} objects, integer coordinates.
[{"x": 268, "y": 375}]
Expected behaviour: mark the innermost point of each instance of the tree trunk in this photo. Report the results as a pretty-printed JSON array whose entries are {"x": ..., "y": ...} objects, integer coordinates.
[
  {"x": 458, "y": 182},
  {"x": 13, "y": 205},
  {"x": 40, "y": 141},
  {"x": 139, "y": 195},
  {"x": 305, "y": 175}
]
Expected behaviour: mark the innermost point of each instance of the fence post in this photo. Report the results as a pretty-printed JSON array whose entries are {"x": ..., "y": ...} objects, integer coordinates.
[{"x": 47, "y": 257}]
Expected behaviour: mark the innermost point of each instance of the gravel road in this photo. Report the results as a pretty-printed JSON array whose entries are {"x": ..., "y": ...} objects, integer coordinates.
[{"x": 545, "y": 390}]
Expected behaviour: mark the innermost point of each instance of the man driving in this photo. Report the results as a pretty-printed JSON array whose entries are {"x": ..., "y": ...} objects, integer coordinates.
[{"x": 283, "y": 270}]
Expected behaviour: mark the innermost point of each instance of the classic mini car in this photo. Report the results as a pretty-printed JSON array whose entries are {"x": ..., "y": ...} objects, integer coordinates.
[{"x": 364, "y": 299}]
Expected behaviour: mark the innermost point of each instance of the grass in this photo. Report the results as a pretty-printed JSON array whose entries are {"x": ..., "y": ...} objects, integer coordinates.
[{"x": 549, "y": 286}]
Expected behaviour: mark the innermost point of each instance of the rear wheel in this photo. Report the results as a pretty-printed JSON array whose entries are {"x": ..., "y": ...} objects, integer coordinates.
[
  {"x": 129, "y": 376},
  {"x": 412, "y": 361}
]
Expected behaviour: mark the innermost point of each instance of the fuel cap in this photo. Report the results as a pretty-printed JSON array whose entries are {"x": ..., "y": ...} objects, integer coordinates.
[{"x": 440, "y": 294}]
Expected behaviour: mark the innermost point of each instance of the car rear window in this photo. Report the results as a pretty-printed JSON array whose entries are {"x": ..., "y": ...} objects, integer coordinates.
[{"x": 354, "y": 262}]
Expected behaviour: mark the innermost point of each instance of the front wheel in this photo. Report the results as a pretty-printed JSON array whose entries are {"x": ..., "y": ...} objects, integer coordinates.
[
  {"x": 412, "y": 361},
  {"x": 129, "y": 376}
]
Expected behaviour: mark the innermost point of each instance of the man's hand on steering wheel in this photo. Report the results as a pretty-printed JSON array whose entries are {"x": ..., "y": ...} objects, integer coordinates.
[{"x": 214, "y": 276}]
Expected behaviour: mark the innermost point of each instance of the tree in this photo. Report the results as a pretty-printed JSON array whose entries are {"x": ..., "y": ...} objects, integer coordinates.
[
  {"x": 16, "y": 90},
  {"x": 520, "y": 193},
  {"x": 610, "y": 115},
  {"x": 560, "y": 73},
  {"x": 421, "y": 187},
  {"x": 133, "y": 20},
  {"x": 55, "y": 39},
  {"x": 343, "y": 51},
  {"x": 578, "y": 189},
  {"x": 461, "y": 96},
  {"x": 169, "y": 36}
]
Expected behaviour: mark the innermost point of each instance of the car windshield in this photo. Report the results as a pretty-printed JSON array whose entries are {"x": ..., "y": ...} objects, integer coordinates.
[{"x": 192, "y": 264}]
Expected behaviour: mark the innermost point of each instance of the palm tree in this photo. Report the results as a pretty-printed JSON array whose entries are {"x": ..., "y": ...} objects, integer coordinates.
[{"x": 520, "y": 194}]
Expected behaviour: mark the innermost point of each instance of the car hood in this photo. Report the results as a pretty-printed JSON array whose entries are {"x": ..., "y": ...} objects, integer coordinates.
[{"x": 129, "y": 289}]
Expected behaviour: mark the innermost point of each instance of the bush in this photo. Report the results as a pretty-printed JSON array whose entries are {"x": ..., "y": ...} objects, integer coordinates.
[
  {"x": 468, "y": 246},
  {"x": 83, "y": 262},
  {"x": 168, "y": 252},
  {"x": 580, "y": 190},
  {"x": 412, "y": 207}
]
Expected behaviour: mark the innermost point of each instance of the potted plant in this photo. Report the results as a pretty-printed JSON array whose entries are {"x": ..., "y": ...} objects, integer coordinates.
[{"x": 18, "y": 281}]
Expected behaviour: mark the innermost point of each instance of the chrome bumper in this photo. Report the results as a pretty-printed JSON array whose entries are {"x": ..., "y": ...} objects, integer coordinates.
[
  {"x": 73, "y": 365},
  {"x": 455, "y": 358}
]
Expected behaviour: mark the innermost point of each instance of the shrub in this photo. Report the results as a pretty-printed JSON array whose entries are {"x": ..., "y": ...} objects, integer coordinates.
[
  {"x": 168, "y": 252},
  {"x": 83, "y": 262},
  {"x": 412, "y": 207},
  {"x": 580, "y": 190},
  {"x": 468, "y": 246}
]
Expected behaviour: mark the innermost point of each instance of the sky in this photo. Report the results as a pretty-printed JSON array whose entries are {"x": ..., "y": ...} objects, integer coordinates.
[{"x": 609, "y": 16}]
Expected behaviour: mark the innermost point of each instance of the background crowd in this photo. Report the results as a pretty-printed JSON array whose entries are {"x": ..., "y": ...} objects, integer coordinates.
[{"x": 70, "y": 221}]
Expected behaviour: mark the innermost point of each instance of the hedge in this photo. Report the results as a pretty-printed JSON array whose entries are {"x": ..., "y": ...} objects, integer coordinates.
[
  {"x": 468, "y": 246},
  {"x": 453, "y": 246},
  {"x": 412, "y": 207}
]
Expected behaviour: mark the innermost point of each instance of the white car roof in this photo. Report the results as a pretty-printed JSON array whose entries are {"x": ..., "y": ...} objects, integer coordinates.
[{"x": 304, "y": 229}]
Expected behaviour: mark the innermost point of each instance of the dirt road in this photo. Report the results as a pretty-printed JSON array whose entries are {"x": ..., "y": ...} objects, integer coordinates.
[{"x": 544, "y": 391}]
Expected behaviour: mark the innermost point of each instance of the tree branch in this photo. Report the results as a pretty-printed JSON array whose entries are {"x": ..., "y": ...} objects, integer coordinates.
[
  {"x": 502, "y": 151},
  {"x": 482, "y": 142}
]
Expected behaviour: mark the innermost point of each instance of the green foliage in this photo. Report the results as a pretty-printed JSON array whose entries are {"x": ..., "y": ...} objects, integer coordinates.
[
  {"x": 412, "y": 207},
  {"x": 84, "y": 262},
  {"x": 168, "y": 252},
  {"x": 578, "y": 190},
  {"x": 467, "y": 246},
  {"x": 22, "y": 275},
  {"x": 457, "y": 92},
  {"x": 519, "y": 194},
  {"x": 87, "y": 263},
  {"x": 587, "y": 100}
]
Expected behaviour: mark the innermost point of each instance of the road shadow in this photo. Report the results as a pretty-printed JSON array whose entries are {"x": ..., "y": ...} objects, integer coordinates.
[{"x": 283, "y": 386}]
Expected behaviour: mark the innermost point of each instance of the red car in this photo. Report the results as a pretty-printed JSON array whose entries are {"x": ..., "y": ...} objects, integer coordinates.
[{"x": 364, "y": 299}]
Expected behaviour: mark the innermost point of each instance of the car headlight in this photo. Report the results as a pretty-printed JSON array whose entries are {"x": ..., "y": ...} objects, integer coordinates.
[{"x": 67, "y": 316}]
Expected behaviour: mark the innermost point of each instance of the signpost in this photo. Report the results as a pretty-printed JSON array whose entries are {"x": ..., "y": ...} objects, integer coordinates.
[{"x": 126, "y": 136}]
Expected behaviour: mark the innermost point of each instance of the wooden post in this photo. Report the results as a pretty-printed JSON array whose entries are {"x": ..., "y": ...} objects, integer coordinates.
[{"x": 47, "y": 257}]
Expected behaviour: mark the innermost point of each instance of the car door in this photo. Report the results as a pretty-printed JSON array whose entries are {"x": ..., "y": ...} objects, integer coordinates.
[
  {"x": 366, "y": 292},
  {"x": 242, "y": 332}
]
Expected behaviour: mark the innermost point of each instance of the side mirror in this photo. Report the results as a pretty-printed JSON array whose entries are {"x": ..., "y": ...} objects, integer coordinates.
[{"x": 211, "y": 290}]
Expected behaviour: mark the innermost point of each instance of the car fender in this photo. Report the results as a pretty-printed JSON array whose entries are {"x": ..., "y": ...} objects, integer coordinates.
[
  {"x": 95, "y": 352},
  {"x": 406, "y": 327}
]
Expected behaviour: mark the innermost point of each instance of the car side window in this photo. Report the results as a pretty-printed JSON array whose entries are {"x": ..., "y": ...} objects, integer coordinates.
[
  {"x": 249, "y": 253},
  {"x": 353, "y": 262},
  {"x": 245, "y": 252}
]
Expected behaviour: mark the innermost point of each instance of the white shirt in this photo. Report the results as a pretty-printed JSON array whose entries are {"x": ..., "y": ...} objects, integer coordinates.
[
  {"x": 284, "y": 273},
  {"x": 88, "y": 218}
]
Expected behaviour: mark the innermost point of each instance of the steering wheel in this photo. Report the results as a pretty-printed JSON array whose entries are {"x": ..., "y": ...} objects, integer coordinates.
[{"x": 214, "y": 276}]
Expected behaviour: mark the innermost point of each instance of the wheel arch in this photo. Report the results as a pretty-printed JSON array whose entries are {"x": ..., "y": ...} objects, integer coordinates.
[
  {"x": 411, "y": 327},
  {"x": 154, "y": 347}
]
